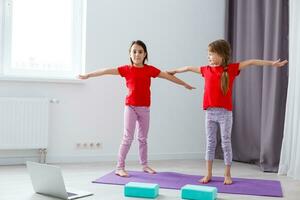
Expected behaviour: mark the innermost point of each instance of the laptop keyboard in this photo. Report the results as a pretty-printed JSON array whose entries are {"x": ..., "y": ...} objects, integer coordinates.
[{"x": 71, "y": 194}]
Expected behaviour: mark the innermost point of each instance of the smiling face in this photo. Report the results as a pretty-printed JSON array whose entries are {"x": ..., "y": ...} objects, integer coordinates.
[
  {"x": 219, "y": 53},
  {"x": 214, "y": 59},
  {"x": 137, "y": 55}
]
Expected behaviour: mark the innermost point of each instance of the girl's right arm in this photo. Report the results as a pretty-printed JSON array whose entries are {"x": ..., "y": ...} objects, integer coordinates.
[
  {"x": 184, "y": 69},
  {"x": 100, "y": 72},
  {"x": 174, "y": 79},
  {"x": 274, "y": 63}
]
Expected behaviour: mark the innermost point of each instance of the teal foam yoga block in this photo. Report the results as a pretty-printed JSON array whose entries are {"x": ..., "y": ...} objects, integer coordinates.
[
  {"x": 196, "y": 192},
  {"x": 136, "y": 189}
]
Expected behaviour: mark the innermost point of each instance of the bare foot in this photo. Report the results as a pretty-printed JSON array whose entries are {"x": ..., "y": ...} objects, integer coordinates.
[
  {"x": 121, "y": 172},
  {"x": 205, "y": 179},
  {"x": 227, "y": 180},
  {"x": 147, "y": 169}
]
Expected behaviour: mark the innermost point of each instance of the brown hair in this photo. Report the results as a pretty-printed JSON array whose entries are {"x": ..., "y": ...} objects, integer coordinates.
[
  {"x": 142, "y": 44},
  {"x": 222, "y": 48}
]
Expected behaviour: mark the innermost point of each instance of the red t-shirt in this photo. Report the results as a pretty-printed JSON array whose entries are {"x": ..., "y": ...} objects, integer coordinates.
[
  {"x": 213, "y": 96},
  {"x": 138, "y": 81}
]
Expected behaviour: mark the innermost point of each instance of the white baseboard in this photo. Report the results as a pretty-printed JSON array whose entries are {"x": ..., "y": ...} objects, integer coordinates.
[
  {"x": 18, "y": 160},
  {"x": 5, "y": 160},
  {"x": 15, "y": 157}
]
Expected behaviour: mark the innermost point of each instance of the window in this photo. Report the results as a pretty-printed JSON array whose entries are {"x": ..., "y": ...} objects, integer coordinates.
[{"x": 43, "y": 38}]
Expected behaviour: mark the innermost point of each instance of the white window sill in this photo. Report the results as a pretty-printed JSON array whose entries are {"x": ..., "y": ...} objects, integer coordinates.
[{"x": 71, "y": 80}]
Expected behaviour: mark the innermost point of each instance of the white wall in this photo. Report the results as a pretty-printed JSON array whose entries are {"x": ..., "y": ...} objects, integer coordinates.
[{"x": 176, "y": 33}]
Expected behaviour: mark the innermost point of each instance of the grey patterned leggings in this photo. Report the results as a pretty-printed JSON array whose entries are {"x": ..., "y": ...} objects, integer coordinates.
[{"x": 223, "y": 117}]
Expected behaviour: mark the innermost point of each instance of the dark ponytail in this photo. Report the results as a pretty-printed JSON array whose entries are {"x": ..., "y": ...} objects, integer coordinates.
[{"x": 225, "y": 81}]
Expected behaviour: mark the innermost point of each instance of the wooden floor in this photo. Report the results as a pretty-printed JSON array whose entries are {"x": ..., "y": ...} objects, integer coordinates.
[{"x": 15, "y": 183}]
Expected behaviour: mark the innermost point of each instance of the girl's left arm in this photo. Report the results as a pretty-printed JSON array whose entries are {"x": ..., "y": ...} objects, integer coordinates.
[
  {"x": 174, "y": 79},
  {"x": 276, "y": 63}
]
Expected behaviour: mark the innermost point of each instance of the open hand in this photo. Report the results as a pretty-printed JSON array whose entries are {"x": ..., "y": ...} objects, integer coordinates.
[
  {"x": 83, "y": 76},
  {"x": 187, "y": 86},
  {"x": 279, "y": 63}
]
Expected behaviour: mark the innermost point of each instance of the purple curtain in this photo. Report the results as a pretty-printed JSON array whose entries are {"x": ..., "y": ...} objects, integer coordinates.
[{"x": 258, "y": 29}]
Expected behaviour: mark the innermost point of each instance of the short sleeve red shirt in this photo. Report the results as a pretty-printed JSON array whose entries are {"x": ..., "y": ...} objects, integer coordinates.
[
  {"x": 213, "y": 96},
  {"x": 138, "y": 81}
]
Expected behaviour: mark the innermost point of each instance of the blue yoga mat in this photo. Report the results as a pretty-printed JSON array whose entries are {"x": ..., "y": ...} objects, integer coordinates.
[{"x": 172, "y": 180}]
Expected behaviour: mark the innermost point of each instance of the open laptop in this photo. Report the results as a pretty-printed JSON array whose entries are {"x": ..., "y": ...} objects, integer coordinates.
[{"x": 48, "y": 180}]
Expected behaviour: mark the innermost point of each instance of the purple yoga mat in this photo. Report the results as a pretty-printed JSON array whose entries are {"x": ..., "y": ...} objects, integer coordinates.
[{"x": 172, "y": 180}]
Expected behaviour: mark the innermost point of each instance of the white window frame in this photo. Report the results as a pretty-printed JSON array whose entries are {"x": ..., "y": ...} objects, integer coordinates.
[{"x": 78, "y": 47}]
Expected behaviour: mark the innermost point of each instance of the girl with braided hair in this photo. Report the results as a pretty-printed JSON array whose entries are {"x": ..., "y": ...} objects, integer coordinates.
[{"x": 219, "y": 76}]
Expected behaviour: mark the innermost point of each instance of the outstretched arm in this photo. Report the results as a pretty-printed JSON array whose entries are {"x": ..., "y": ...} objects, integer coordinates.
[
  {"x": 276, "y": 63},
  {"x": 174, "y": 79},
  {"x": 184, "y": 69},
  {"x": 100, "y": 72}
]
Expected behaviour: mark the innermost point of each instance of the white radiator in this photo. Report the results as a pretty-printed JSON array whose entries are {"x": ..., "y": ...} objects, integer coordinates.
[{"x": 23, "y": 123}]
